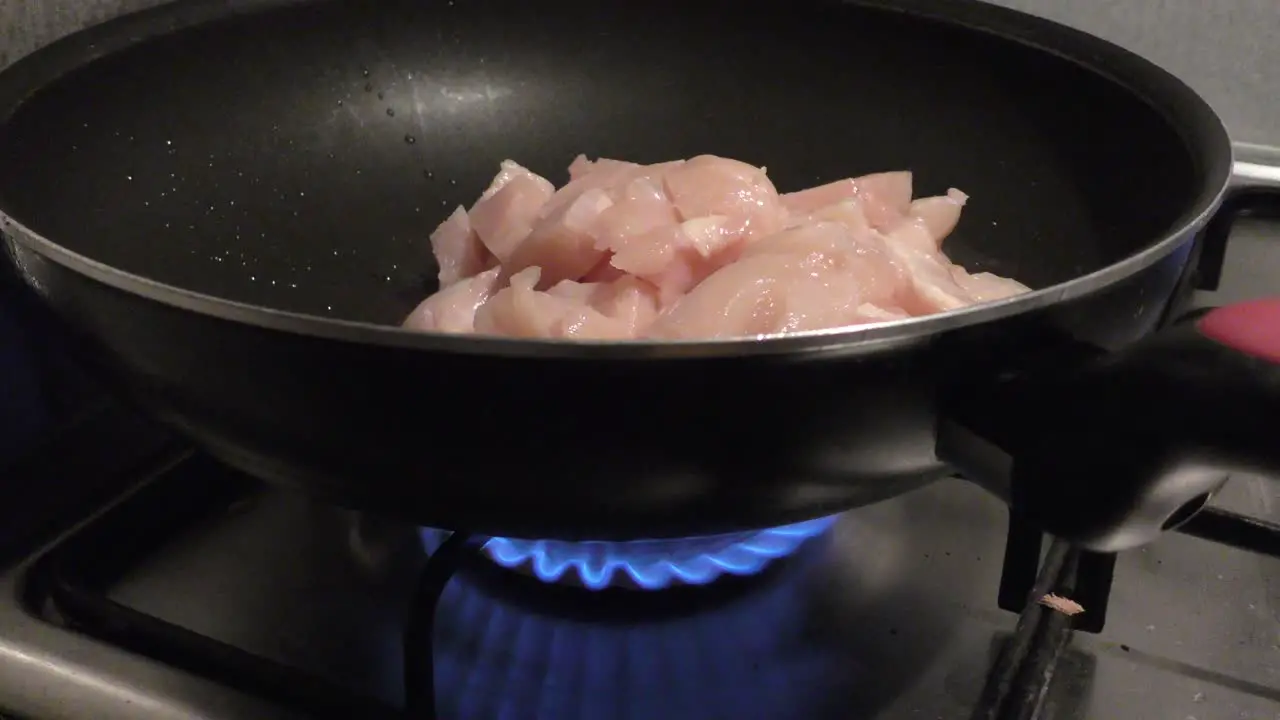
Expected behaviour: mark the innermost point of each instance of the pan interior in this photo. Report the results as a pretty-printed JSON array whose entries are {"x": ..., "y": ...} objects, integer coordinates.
[{"x": 297, "y": 157}]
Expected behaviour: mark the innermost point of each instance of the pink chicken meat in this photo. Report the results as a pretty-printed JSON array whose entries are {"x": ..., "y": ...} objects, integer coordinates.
[{"x": 704, "y": 248}]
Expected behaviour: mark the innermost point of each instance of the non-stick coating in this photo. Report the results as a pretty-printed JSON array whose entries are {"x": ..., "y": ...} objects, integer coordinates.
[{"x": 298, "y": 159}]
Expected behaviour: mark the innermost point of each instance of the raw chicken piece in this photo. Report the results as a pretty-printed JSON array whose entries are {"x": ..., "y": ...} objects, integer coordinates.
[
  {"x": 604, "y": 271},
  {"x": 940, "y": 284},
  {"x": 937, "y": 285},
  {"x": 577, "y": 291},
  {"x": 628, "y": 300},
  {"x": 986, "y": 287},
  {"x": 697, "y": 249},
  {"x": 881, "y": 279},
  {"x": 939, "y": 215},
  {"x": 675, "y": 258},
  {"x": 519, "y": 310},
  {"x": 710, "y": 185},
  {"x": 509, "y": 170},
  {"x": 884, "y": 197},
  {"x": 599, "y": 175},
  {"x": 563, "y": 243},
  {"x": 580, "y": 166},
  {"x": 458, "y": 250},
  {"x": 633, "y": 215},
  {"x": 870, "y": 312},
  {"x": 739, "y": 301},
  {"x": 453, "y": 309},
  {"x": 762, "y": 295},
  {"x": 647, "y": 180},
  {"x": 808, "y": 277},
  {"x": 504, "y": 214},
  {"x": 846, "y": 212}
]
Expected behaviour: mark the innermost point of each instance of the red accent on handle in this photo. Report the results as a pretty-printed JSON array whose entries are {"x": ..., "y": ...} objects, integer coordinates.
[{"x": 1252, "y": 328}]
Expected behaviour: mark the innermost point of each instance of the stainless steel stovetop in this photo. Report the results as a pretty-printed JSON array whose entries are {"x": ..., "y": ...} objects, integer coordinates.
[{"x": 140, "y": 581}]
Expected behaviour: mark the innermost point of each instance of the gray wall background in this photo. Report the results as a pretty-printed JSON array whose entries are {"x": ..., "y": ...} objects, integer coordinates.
[{"x": 1229, "y": 50}]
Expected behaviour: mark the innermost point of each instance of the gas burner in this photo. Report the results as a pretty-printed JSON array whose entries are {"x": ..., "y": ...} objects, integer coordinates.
[
  {"x": 750, "y": 659},
  {"x": 647, "y": 564}
]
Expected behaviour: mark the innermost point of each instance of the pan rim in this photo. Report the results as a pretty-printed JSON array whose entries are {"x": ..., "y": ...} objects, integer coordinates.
[{"x": 1140, "y": 77}]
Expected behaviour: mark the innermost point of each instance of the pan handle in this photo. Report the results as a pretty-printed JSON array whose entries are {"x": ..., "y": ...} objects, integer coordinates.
[
  {"x": 1109, "y": 450},
  {"x": 1127, "y": 445}
]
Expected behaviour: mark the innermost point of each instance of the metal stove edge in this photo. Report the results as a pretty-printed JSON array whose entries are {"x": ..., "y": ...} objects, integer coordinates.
[{"x": 94, "y": 673}]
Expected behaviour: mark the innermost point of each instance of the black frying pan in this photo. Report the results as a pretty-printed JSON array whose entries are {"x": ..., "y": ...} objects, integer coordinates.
[{"x": 230, "y": 201}]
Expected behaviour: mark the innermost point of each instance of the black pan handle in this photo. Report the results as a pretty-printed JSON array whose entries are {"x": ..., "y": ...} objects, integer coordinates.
[
  {"x": 1141, "y": 439},
  {"x": 1109, "y": 450}
]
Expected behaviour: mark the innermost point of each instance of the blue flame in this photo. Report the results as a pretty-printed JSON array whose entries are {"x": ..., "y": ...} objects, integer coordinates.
[
  {"x": 650, "y": 564},
  {"x": 755, "y": 658}
]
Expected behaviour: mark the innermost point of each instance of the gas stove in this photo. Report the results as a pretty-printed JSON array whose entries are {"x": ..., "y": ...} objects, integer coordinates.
[
  {"x": 140, "y": 579},
  {"x": 199, "y": 593}
]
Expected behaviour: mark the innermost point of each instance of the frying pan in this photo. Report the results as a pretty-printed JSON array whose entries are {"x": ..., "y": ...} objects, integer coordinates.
[{"x": 227, "y": 204}]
